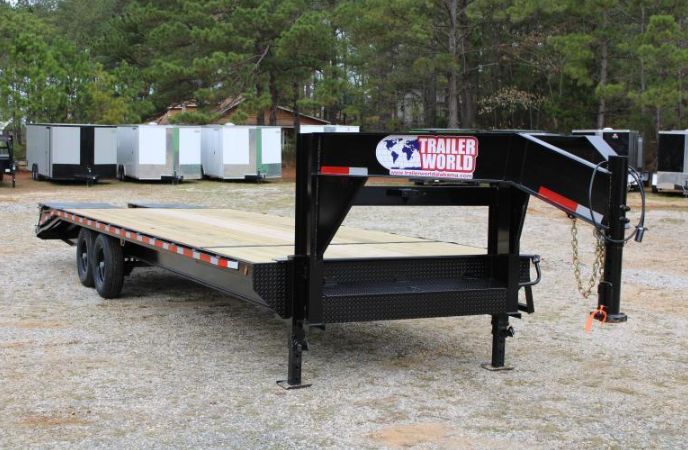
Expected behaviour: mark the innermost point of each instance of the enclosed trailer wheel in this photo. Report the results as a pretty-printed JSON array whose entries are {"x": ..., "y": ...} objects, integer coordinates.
[
  {"x": 84, "y": 250},
  {"x": 108, "y": 266}
]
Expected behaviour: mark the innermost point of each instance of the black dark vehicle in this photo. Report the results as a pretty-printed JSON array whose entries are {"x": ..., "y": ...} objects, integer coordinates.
[{"x": 7, "y": 164}]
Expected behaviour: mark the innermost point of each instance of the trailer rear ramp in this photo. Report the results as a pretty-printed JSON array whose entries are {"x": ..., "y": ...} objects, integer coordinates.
[{"x": 315, "y": 271}]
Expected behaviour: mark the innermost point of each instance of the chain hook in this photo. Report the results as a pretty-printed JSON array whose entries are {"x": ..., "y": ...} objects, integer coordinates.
[{"x": 586, "y": 288}]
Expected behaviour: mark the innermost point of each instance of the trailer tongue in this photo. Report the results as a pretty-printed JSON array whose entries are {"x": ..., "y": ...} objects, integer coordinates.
[{"x": 314, "y": 271}]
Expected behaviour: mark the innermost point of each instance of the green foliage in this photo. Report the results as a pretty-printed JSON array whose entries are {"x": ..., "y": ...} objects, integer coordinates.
[
  {"x": 548, "y": 64},
  {"x": 193, "y": 118}
]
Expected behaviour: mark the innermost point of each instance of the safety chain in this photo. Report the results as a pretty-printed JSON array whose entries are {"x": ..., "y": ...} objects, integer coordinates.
[{"x": 597, "y": 265}]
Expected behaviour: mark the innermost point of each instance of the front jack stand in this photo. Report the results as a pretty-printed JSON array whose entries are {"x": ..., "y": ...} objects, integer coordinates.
[
  {"x": 500, "y": 331},
  {"x": 297, "y": 345},
  {"x": 609, "y": 290}
]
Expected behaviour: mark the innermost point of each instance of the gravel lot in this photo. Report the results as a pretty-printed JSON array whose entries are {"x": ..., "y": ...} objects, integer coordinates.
[{"x": 173, "y": 364}]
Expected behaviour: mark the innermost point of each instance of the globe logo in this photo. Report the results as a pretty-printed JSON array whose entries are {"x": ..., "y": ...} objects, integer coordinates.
[
  {"x": 435, "y": 156},
  {"x": 399, "y": 152}
]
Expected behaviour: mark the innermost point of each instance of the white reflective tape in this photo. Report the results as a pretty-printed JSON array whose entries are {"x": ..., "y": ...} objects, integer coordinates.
[
  {"x": 585, "y": 212},
  {"x": 196, "y": 255},
  {"x": 139, "y": 238},
  {"x": 180, "y": 250},
  {"x": 213, "y": 260},
  {"x": 233, "y": 264},
  {"x": 128, "y": 234},
  {"x": 165, "y": 245},
  {"x": 358, "y": 171}
]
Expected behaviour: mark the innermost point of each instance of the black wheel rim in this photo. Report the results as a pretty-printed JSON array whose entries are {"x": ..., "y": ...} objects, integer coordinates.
[
  {"x": 100, "y": 265},
  {"x": 83, "y": 258}
]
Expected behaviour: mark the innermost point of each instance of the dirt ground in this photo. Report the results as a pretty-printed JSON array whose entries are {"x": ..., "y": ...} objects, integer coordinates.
[{"x": 173, "y": 364}]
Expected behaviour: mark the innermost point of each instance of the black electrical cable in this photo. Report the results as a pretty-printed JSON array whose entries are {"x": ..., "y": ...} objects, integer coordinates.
[{"x": 640, "y": 228}]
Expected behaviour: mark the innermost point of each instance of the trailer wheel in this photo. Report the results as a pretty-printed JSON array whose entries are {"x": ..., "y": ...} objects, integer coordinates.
[
  {"x": 84, "y": 252},
  {"x": 108, "y": 266}
]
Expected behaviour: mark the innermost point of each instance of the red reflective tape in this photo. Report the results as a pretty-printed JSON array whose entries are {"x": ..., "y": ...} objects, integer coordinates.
[
  {"x": 557, "y": 198},
  {"x": 334, "y": 170},
  {"x": 205, "y": 258}
]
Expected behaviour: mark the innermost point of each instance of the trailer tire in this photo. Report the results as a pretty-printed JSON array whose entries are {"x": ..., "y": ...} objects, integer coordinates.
[
  {"x": 108, "y": 266},
  {"x": 84, "y": 253}
]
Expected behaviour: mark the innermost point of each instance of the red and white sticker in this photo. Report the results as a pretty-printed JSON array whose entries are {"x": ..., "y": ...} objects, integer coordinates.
[
  {"x": 568, "y": 204},
  {"x": 429, "y": 156}
]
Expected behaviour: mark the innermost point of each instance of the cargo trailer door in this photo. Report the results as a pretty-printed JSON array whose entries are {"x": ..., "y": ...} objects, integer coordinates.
[
  {"x": 105, "y": 151},
  {"x": 235, "y": 149},
  {"x": 65, "y": 152},
  {"x": 269, "y": 151},
  {"x": 190, "y": 152}
]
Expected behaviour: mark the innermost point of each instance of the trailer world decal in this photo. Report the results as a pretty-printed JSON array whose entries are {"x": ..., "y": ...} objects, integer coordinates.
[{"x": 429, "y": 156}]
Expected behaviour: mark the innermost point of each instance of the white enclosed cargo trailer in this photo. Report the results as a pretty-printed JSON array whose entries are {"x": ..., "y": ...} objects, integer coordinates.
[
  {"x": 232, "y": 152},
  {"x": 71, "y": 151},
  {"x": 159, "y": 152}
]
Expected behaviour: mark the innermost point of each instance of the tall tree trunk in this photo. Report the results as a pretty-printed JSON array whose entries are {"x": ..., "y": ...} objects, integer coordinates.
[
  {"x": 274, "y": 99},
  {"x": 260, "y": 112},
  {"x": 452, "y": 76},
  {"x": 467, "y": 88},
  {"x": 643, "y": 82},
  {"x": 295, "y": 108},
  {"x": 430, "y": 107},
  {"x": 604, "y": 64}
]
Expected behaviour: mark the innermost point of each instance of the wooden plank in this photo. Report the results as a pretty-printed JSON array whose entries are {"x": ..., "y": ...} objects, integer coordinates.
[
  {"x": 262, "y": 238},
  {"x": 223, "y": 227},
  {"x": 353, "y": 251}
]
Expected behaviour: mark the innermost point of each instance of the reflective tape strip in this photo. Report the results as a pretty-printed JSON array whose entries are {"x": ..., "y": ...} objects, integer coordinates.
[
  {"x": 347, "y": 171},
  {"x": 569, "y": 204},
  {"x": 557, "y": 199},
  {"x": 154, "y": 242}
]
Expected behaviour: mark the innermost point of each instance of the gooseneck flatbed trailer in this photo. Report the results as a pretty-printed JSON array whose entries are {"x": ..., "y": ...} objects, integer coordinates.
[{"x": 314, "y": 271}]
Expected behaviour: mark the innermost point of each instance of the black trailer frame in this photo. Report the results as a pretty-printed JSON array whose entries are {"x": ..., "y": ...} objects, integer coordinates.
[
  {"x": 571, "y": 173},
  {"x": 7, "y": 164}
]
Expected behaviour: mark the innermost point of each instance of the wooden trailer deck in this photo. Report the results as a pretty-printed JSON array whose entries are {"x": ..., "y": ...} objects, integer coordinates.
[{"x": 260, "y": 238}]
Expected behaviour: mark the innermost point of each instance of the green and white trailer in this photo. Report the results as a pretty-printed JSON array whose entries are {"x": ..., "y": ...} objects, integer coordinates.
[
  {"x": 232, "y": 152},
  {"x": 158, "y": 152}
]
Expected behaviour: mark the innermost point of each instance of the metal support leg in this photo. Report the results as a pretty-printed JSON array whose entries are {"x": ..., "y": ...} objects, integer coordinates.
[
  {"x": 297, "y": 337},
  {"x": 609, "y": 290},
  {"x": 297, "y": 345},
  {"x": 500, "y": 331}
]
